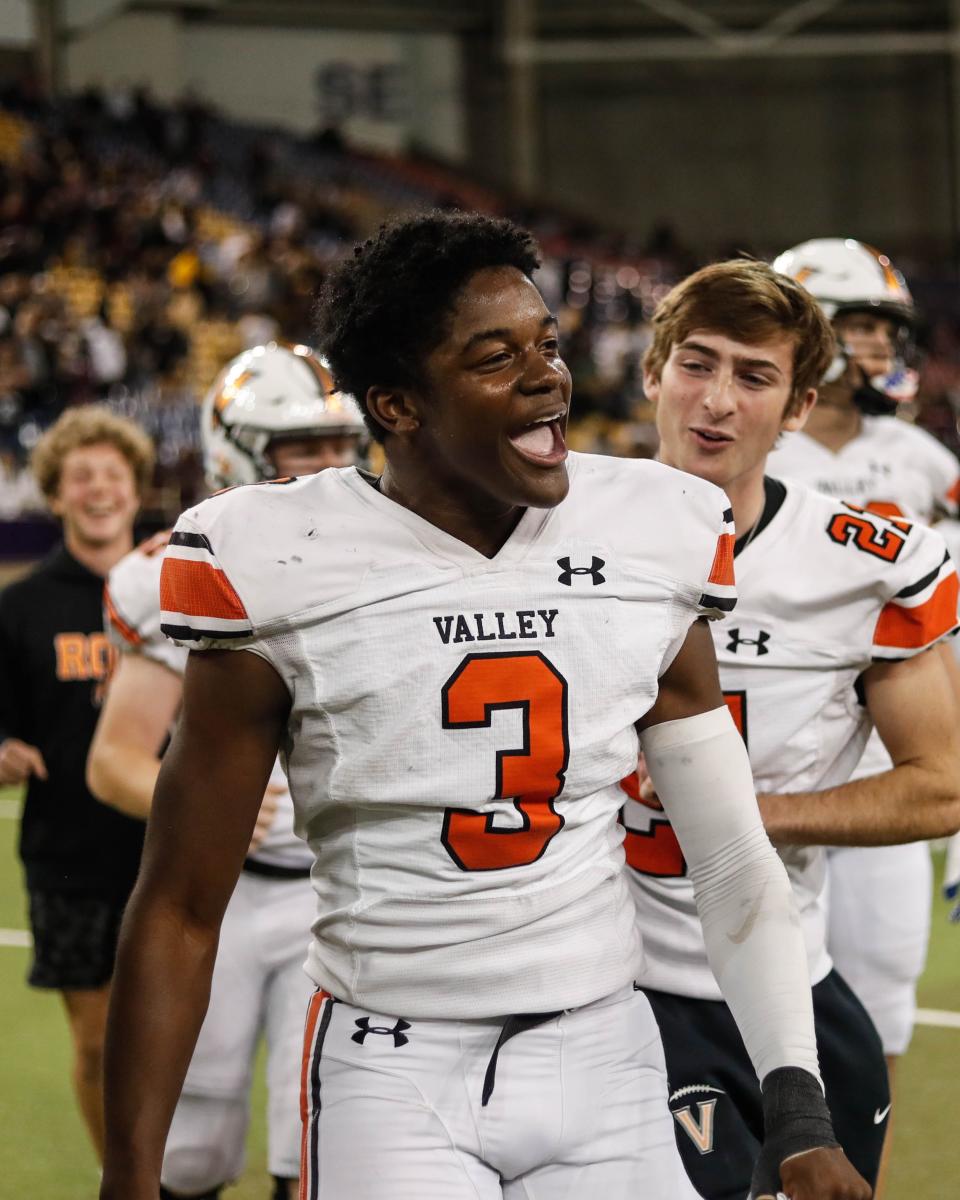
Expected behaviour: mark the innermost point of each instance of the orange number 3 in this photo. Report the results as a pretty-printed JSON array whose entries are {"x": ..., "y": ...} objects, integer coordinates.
[{"x": 532, "y": 777}]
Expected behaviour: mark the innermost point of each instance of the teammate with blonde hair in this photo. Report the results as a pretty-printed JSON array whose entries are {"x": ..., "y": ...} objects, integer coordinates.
[{"x": 80, "y": 858}]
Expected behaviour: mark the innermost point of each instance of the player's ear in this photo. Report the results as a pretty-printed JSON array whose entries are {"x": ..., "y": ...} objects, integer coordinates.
[
  {"x": 799, "y": 410},
  {"x": 393, "y": 408},
  {"x": 651, "y": 385}
]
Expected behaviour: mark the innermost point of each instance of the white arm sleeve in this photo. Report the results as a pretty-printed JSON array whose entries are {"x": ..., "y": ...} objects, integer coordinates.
[{"x": 700, "y": 769}]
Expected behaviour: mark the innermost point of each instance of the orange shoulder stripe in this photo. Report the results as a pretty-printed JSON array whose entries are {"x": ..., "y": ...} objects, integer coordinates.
[
  {"x": 912, "y": 628},
  {"x": 722, "y": 570},
  {"x": 127, "y": 632},
  {"x": 198, "y": 590},
  {"x": 953, "y": 495}
]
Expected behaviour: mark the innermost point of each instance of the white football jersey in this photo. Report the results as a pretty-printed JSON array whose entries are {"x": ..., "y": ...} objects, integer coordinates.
[
  {"x": 132, "y": 621},
  {"x": 823, "y": 590},
  {"x": 892, "y": 468},
  {"x": 460, "y": 724}
]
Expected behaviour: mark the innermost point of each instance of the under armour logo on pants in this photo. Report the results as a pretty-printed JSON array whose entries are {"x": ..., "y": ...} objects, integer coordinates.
[{"x": 364, "y": 1027}]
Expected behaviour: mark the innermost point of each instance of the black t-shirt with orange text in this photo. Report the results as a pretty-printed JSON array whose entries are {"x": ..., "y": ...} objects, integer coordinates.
[{"x": 54, "y": 664}]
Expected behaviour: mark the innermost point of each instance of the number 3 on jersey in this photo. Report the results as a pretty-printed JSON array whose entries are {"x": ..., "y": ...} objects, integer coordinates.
[
  {"x": 532, "y": 776},
  {"x": 656, "y": 851}
]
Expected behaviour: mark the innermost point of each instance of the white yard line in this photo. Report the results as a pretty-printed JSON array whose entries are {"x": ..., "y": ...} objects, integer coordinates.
[
  {"x": 938, "y": 1017},
  {"x": 15, "y": 937}
]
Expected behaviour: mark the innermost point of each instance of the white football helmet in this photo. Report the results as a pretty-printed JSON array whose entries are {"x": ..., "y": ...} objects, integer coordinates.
[
  {"x": 265, "y": 393},
  {"x": 847, "y": 276}
]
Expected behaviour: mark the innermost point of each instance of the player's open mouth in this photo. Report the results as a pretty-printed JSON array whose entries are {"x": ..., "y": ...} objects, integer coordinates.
[
  {"x": 541, "y": 441},
  {"x": 710, "y": 438}
]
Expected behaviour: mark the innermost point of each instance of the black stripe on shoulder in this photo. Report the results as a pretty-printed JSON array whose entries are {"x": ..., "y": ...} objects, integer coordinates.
[
  {"x": 922, "y": 583},
  {"x": 186, "y": 633},
  {"x": 723, "y": 603},
  {"x": 728, "y": 516},
  {"x": 199, "y": 541}
]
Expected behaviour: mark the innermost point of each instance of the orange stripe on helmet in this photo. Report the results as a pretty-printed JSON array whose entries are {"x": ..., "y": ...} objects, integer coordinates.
[
  {"x": 324, "y": 378},
  {"x": 197, "y": 589},
  {"x": 306, "y": 355},
  {"x": 890, "y": 277}
]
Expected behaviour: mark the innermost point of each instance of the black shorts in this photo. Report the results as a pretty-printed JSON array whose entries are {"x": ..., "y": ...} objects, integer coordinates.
[
  {"x": 715, "y": 1096},
  {"x": 74, "y": 939}
]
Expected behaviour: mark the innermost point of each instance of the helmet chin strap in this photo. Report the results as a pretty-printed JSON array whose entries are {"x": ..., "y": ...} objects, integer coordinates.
[{"x": 872, "y": 402}]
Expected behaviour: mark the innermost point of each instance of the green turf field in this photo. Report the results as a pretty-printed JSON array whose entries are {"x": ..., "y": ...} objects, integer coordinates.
[
  {"x": 44, "y": 1153},
  {"x": 43, "y": 1148}
]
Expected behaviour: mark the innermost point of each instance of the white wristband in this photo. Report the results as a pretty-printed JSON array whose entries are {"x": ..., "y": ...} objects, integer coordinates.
[{"x": 701, "y": 771}]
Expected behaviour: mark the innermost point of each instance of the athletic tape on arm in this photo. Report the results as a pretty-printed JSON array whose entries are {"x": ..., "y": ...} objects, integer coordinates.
[{"x": 701, "y": 771}]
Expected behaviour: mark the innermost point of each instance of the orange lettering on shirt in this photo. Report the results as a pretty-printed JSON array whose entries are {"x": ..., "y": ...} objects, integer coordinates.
[{"x": 73, "y": 661}]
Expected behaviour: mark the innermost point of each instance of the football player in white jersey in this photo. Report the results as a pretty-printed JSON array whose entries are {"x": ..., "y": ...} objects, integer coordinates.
[
  {"x": 273, "y": 411},
  {"x": 456, "y": 658},
  {"x": 855, "y": 448},
  {"x": 837, "y": 611}
]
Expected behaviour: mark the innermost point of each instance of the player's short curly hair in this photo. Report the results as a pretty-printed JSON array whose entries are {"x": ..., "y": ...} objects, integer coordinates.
[
  {"x": 747, "y": 301},
  {"x": 90, "y": 425},
  {"x": 385, "y": 307}
]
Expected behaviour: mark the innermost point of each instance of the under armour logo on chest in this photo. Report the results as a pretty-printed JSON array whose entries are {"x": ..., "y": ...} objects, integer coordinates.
[
  {"x": 364, "y": 1027},
  {"x": 759, "y": 642},
  {"x": 567, "y": 572}
]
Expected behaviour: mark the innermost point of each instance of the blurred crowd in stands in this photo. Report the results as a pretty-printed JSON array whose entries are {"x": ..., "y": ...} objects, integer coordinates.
[{"x": 141, "y": 246}]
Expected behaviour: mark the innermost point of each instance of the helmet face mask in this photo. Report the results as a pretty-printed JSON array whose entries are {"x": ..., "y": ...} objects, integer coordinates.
[
  {"x": 849, "y": 278},
  {"x": 270, "y": 393}
]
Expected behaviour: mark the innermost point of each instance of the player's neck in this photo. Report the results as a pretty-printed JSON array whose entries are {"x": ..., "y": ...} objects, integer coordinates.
[
  {"x": 100, "y": 558},
  {"x": 747, "y": 499},
  {"x": 470, "y": 518},
  {"x": 834, "y": 423}
]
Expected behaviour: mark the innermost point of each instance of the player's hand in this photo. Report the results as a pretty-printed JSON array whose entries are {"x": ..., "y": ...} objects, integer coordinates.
[
  {"x": 268, "y": 810},
  {"x": 824, "y": 1174},
  {"x": 951, "y": 876},
  {"x": 646, "y": 792},
  {"x": 19, "y": 760}
]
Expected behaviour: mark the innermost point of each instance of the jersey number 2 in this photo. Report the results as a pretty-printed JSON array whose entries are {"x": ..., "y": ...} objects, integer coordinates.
[
  {"x": 532, "y": 776},
  {"x": 845, "y": 528}
]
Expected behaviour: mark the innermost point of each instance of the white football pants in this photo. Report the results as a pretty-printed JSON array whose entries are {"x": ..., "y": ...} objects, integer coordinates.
[
  {"x": 879, "y": 925},
  {"x": 393, "y": 1107},
  {"x": 259, "y": 986}
]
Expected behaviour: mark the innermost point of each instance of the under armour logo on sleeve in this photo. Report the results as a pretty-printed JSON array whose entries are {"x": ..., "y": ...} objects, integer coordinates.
[
  {"x": 364, "y": 1027},
  {"x": 567, "y": 572}
]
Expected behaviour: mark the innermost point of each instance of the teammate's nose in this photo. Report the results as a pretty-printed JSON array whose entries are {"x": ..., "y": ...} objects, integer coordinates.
[
  {"x": 542, "y": 373},
  {"x": 720, "y": 397}
]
